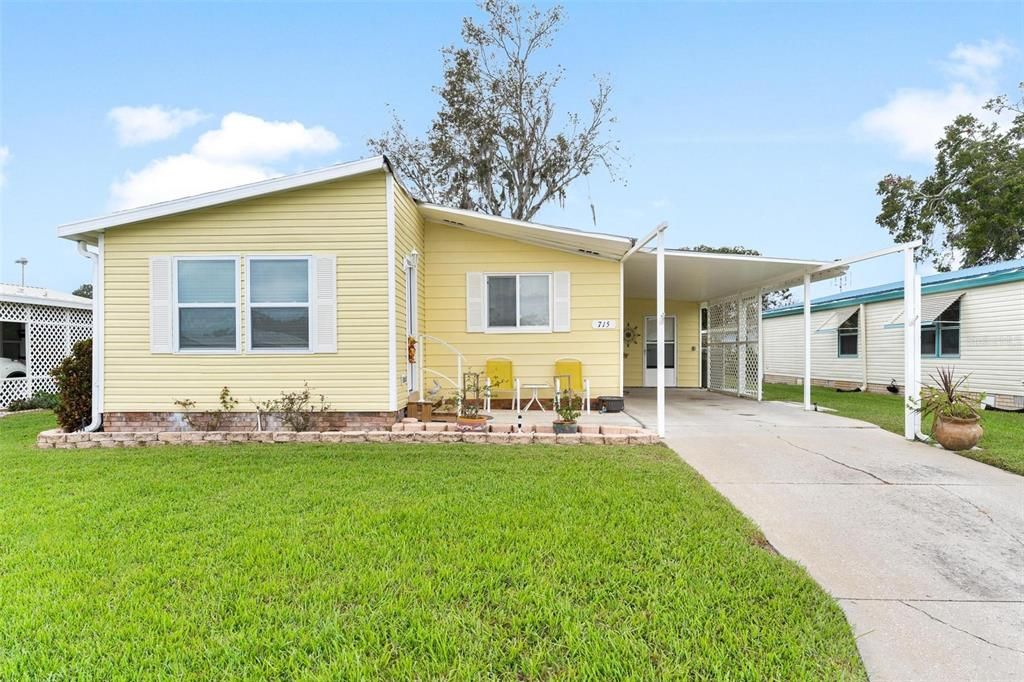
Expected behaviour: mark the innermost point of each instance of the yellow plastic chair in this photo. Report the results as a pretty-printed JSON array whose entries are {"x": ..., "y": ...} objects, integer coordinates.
[
  {"x": 570, "y": 372},
  {"x": 500, "y": 377}
]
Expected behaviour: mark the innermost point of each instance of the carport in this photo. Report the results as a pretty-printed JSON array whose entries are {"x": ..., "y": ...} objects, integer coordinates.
[{"x": 730, "y": 289}]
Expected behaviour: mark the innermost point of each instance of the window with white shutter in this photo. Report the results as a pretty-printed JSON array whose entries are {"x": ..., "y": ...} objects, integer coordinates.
[{"x": 205, "y": 315}]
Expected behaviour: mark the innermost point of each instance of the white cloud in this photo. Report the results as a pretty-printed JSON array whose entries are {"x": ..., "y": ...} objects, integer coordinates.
[
  {"x": 180, "y": 176},
  {"x": 242, "y": 137},
  {"x": 139, "y": 125},
  {"x": 978, "y": 62},
  {"x": 914, "y": 118},
  {"x": 5, "y": 156},
  {"x": 236, "y": 153}
]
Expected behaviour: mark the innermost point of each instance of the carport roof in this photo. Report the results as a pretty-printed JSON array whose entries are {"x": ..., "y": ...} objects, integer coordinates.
[{"x": 700, "y": 276}]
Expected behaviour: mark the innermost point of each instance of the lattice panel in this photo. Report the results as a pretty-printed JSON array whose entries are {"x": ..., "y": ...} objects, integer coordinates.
[
  {"x": 48, "y": 345},
  {"x": 12, "y": 312},
  {"x": 45, "y": 313},
  {"x": 50, "y": 333},
  {"x": 732, "y": 338},
  {"x": 11, "y": 389},
  {"x": 79, "y": 316}
]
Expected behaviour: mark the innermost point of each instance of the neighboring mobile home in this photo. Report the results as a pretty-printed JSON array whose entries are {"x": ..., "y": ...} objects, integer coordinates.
[
  {"x": 38, "y": 327},
  {"x": 325, "y": 276},
  {"x": 971, "y": 320}
]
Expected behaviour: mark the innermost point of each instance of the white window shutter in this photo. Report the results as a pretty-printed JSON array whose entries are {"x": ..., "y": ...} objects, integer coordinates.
[
  {"x": 563, "y": 314},
  {"x": 160, "y": 304},
  {"x": 474, "y": 301},
  {"x": 325, "y": 301}
]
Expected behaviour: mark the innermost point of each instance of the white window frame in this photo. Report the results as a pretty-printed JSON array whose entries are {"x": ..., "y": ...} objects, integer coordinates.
[
  {"x": 249, "y": 305},
  {"x": 175, "y": 307},
  {"x": 518, "y": 329}
]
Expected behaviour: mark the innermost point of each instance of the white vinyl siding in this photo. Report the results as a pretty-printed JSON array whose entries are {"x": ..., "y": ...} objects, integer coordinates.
[{"x": 991, "y": 344}]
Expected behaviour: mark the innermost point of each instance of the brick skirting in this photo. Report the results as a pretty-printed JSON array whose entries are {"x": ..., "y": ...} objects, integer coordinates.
[
  {"x": 432, "y": 432},
  {"x": 118, "y": 422}
]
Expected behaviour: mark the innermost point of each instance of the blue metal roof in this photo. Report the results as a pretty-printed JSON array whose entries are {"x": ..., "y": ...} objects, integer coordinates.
[{"x": 968, "y": 278}]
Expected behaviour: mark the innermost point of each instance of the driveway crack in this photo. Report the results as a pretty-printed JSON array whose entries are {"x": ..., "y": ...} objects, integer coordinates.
[
  {"x": 834, "y": 461},
  {"x": 985, "y": 514},
  {"x": 966, "y": 632}
]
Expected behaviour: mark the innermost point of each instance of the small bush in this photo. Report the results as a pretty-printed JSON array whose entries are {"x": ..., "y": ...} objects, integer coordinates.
[
  {"x": 40, "y": 401},
  {"x": 74, "y": 387},
  {"x": 296, "y": 410},
  {"x": 208, "y": 421}
]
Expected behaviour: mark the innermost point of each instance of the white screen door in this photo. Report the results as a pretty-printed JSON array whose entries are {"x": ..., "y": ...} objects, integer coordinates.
[{"x": 651, "y": 350}]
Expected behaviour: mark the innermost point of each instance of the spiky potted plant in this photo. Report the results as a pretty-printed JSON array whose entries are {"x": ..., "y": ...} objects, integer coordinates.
[
  {"x": 568, "y": 409},
  {"x": 956, "y": 414}
]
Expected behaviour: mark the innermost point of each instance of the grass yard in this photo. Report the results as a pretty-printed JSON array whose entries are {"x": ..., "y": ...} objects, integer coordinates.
[
  {"x": 1001, "y": 446},
  {"x": 359, "y": 562}
]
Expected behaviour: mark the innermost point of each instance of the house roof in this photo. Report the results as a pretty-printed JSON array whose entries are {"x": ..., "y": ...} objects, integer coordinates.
[
  {"x": 90, "y": 226},
  {"x": 700, "y": 276},
  {"x": 597, "y": 244},
  {"x": 967, "y": 278},
  {"x": 41, "y": 296}
]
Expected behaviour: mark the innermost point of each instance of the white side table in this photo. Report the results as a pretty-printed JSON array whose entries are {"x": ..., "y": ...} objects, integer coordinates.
[{"x": 534, "y": 396}]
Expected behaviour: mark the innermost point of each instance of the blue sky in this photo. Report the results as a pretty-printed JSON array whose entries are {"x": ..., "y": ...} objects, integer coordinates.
[{"x": 760, "y": 124}]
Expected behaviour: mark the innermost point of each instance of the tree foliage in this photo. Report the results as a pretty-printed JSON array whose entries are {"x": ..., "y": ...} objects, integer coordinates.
[
  {"x": 770, "y": 300},
  {"x": 970, "y": 210},
  {"x": 85, "y": 291},
  {"x": 495, "y": 145}
]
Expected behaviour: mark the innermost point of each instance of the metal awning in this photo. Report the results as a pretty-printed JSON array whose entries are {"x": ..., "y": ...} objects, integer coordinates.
[
  {"x": 837, "y": 318},
  {"x": 932, "y": 308}
]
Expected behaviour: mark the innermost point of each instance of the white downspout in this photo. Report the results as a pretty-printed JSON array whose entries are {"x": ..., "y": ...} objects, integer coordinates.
[
  {"x": 807, "y": 342},
  {"x": 911, "y": 339},
  {"x": 97, "y": 333}
]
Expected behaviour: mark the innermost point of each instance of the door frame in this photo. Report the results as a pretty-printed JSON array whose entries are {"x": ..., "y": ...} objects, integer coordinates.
[
  {"x": 671, "y": 374},
  {"x": 412, "y": 315}
]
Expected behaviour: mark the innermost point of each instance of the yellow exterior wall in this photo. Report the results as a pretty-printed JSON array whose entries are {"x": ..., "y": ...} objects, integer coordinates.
[
  {"x": 408, "y": 238},
  {"x": 687, "y": 340},
  {"x": 452, "y": 252},
  {"x": 346, "y": 217}
]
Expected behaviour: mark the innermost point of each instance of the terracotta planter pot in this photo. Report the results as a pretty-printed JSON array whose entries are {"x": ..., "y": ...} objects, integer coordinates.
[
  {"x": 954, "y": 433},
  {"x": 471, "y": 423},
  {"x": 565, "y": 427}
]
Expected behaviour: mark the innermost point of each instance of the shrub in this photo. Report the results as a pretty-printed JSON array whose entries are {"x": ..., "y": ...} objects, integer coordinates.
[
  {"x": 208, "y": 421},
  {"x": 40, "y": 401},
  {"x": 296, "y": 410},
  {"x": 74, "y": 387}
]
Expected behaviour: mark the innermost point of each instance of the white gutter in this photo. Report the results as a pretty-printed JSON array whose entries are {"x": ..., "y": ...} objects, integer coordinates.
[
  {"x": 862, "y": 345},
  {"x": 97, "y": 333}
]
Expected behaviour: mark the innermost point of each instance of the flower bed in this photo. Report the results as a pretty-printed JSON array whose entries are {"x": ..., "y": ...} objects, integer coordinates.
[{"x": 405, "y": 432}]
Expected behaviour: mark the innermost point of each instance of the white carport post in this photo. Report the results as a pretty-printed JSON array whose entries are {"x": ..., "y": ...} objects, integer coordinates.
[
  {"x": 659, "y": 233},
  {"x": 911, "y": 345},
  {"x": 661, "y": 333},
  {"x": 807, "y": 341}
]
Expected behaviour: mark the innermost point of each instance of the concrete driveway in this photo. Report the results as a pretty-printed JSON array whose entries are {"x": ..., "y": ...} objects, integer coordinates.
[{"x": 923, "y": 549}]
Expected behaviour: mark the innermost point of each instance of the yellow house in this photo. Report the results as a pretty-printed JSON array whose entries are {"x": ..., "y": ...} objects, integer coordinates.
[{"x": 338, "y": 278}]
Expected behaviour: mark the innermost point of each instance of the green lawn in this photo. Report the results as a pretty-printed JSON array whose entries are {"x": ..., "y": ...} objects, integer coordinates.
[
  {"x": 362, "y": 562},
  {"x": 1001, "y": 446}
]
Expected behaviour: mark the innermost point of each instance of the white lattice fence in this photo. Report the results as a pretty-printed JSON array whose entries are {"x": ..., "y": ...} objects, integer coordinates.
[
  {"x": 50, "y": 333},
  {"x": 733, "y": 338}
]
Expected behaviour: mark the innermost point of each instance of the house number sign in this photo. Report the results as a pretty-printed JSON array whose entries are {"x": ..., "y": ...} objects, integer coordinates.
[{"x": 603, "y": 324}]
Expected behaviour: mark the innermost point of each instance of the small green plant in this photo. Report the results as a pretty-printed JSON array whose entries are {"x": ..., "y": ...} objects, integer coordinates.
[
  {"x": 297, "y": 410},
  {"x": 468, "y": 401},
  {"x": 569, "y": 406},
  {"x": 208, "y": 421},
  {"x": 74, "y": 387},
  {"x": 40, "y": 401},
  {"x": 947, "y": 399}
]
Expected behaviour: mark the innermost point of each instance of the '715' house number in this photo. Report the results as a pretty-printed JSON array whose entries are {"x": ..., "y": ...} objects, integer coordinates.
[{"x": 603, "y": 324}]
